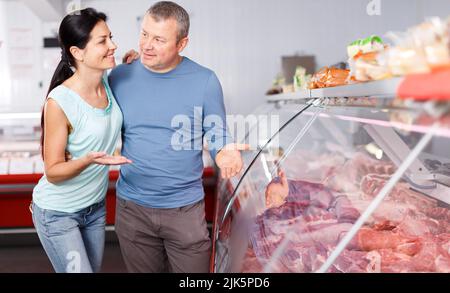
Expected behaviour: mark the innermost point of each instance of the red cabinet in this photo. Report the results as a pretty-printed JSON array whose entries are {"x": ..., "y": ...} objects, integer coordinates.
[{"x": 16, "y": 191}]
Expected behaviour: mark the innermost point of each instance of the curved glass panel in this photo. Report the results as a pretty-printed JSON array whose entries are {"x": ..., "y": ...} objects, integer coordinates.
[
  {"x": 335, "y": 167},
  {"x": 263, "y": 116}
]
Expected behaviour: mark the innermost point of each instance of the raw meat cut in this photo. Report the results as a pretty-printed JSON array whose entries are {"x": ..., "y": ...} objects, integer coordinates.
[
  {"x": 408, "y": 232},
  {"x": 344, "y": 209},
  {"x": 347, "y": 178},
  {"x": 368, "y": 239},
  {"x": 351, "y": 261}
]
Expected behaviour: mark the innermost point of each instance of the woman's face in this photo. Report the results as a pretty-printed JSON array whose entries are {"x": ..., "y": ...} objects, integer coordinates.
[{"x": 99, "y": 51}]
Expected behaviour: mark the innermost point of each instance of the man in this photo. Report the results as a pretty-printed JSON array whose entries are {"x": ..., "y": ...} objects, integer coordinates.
[{"x": 160, "y": 218}]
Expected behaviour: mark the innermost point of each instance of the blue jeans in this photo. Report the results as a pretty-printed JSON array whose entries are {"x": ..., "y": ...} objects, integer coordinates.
[{"x": 74, "y": 242}]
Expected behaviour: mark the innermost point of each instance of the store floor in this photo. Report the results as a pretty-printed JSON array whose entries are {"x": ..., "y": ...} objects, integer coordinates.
[
  {"x": 32, "y": 259},
  {"x": 24, "y": 254}
]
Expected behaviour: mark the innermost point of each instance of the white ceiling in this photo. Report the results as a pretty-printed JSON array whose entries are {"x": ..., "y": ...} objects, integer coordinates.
[{"x": 46, "y": 10}]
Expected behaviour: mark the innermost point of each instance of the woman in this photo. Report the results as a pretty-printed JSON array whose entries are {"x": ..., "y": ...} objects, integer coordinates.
[{"x": 81, "y": 117}]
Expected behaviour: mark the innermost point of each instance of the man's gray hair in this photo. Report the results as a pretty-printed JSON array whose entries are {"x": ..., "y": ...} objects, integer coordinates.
[{"x": 164, "y": 10}]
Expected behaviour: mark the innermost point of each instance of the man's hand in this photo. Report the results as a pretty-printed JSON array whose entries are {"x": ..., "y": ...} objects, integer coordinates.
[
  {"x": 130, "y": 57},
  {"x": 229, "y": 159}
]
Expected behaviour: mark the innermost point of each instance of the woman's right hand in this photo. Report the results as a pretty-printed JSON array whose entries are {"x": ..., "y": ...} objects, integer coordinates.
[{"x": 102, "y": 158}]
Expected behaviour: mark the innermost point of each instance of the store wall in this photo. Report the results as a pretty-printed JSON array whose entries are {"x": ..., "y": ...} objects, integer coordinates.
[
  {"x": 21, "y": 59},
  {"x": 4, "y": 76},
  {"x": 242, "y": 40}
]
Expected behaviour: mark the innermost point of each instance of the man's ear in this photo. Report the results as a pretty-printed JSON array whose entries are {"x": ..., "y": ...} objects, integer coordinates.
[
  {"x": 77, "y": 53},
  {"x": 182, "y": 44}
]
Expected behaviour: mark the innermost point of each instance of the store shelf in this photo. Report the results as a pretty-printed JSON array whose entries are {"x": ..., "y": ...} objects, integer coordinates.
[
  {"x": 305, "y": 94},
  {"x": 381, "y": 89}
]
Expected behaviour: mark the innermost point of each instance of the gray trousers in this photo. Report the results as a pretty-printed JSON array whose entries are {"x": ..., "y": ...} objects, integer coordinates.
[{"x": 163, "y": 240}]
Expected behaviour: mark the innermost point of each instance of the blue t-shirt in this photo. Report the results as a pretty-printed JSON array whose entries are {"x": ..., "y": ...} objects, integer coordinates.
[{"x": 166, "y": 118}]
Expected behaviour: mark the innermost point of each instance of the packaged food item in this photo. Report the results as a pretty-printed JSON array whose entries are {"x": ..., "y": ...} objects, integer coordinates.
[
  {"x": 274, "y": 91},
  {"x": 448, "y": 33},
  {"x": 353, "y": 48},
  {"x": 432, "y": 37},
  {"x": 340, "y": 65},
  {"x": 337, "y": 77},
  {"x": 403, "y": 60},
  {"x": 301, "y": 79},
  {"x": 371, "y": 44},
  {"x": 431, "y": 86},
  {"x": 369, "y": 66},
  {"x": 421, "y": 49},
  {"x": 318, "y": 80},
  {"x": 329, "y": 77},
  {"x": 277, "y": 85},
  {"x": 288, "y": 88},
  {"x": 367, "y": 60}
]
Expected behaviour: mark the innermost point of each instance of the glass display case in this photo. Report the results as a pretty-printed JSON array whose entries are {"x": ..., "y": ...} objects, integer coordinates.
[
  {"x": 260, "y": 117},
  {"x": 353, "y": 181}
]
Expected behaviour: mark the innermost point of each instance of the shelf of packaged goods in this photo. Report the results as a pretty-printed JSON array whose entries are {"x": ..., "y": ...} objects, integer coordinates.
[
  {"x": 379, "y": 89},
  {"x": 16, "y": 193},
  {"x": 422, "y": 87}
]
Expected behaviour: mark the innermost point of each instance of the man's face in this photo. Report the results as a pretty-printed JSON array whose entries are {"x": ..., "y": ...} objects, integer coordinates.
[{"x": 158, "y": 46}]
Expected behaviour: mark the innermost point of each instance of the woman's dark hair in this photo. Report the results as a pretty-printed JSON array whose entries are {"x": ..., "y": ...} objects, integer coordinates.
[{"x": 74, "y": 30}]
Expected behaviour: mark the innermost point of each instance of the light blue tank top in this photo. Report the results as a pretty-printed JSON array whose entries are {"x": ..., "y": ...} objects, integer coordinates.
[{"x": 93, "y": 130}]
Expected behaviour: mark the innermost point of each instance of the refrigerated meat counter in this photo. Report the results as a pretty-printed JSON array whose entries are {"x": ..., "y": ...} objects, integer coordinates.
[{"x": 354, "y": 180}]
